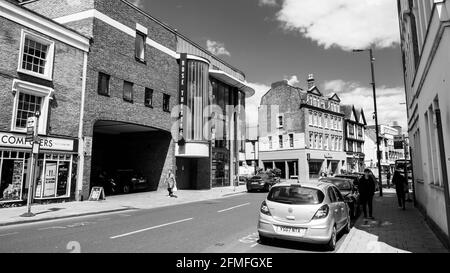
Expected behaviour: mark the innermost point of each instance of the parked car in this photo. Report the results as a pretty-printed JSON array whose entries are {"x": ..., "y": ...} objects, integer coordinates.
[
  {"x": 126, "y": 181},
  {"x": 348, "y": 190},
  {"x": 262, "y": 182},
  {"x": 304, "y": 212}
]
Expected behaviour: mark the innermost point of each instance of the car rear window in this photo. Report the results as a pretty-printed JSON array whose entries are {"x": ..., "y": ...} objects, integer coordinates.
[
  {"x": 296, "y": 195},
  {"x": 342, "y": 185}
]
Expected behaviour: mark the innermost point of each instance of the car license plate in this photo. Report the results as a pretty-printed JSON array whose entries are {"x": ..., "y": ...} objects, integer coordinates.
[{"x": 290, "y": 230}]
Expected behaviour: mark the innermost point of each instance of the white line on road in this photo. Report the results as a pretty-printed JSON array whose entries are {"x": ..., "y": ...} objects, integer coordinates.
[
  {"x": 254, "y": 245},
  {"x": 150, "y": 228},
  {"x": 7, "y": 234},
  {"x": 51, "y": 228},
  {"x": 235, "y": 207}
]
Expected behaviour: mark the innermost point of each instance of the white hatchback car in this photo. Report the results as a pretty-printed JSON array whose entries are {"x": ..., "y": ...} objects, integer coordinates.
[{"x": 304, "y": 212}]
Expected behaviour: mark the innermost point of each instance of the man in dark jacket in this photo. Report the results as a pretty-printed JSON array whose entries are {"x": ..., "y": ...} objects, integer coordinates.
[
  {"x": 366, "y": 187},
  {"x": 399, "y": 181}
]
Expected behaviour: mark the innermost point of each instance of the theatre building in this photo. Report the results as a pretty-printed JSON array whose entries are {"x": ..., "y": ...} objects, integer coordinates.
[
  {"x": 139, "y": 70},
  {"x": 35, "y": 75},
  {"x": 301, "y": 131}
]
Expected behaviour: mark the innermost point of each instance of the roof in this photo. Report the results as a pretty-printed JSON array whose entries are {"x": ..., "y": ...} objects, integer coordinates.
[{"x": 315, "y": 185}]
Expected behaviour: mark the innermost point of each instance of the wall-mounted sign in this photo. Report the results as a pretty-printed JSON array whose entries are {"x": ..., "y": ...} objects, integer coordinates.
[
  {"x": 87, "y": 146},
  {"x": 182, "y": 92},
  {"x": 45, "y": 143}
]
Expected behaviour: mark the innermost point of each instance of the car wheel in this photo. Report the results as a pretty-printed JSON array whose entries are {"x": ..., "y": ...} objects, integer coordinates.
[
  {"x": 126, "y": 189},
  {"x": 332, "y": 243}
]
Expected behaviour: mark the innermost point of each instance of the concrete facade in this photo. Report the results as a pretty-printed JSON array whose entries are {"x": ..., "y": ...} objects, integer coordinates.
[
  {"x": 425, "y": 35},
  {"x": 301, "y": 131}
]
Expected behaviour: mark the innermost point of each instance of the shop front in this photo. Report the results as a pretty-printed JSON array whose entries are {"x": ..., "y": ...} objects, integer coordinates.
[{"x": 55, "y": 168}]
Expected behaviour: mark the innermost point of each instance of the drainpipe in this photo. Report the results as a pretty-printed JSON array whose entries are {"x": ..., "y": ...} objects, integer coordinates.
[
  {"x": 443, "y": 168},
  {"x": 80, "y": 171}
]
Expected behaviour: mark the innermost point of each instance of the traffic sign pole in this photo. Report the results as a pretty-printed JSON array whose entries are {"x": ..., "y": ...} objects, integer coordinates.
[{"x": 32, "y": 129}]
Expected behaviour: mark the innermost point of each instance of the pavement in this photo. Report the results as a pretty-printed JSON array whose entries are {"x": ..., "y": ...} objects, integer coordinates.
[
  {"x": 143, "y": 200},
  {"x": 392, "y": 231}
]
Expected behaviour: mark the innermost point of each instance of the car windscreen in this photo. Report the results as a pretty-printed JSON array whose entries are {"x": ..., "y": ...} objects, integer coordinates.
[
  {"x": 296, "y": 195},
  {"x": 342, "y": 185}
]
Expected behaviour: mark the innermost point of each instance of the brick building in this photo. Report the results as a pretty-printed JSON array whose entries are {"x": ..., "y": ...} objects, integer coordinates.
[
  {"x": 354, "y": 136},
  {"x": 138, "y": 71},
  {"x": 301, "y": 131},
  {"x": 34, "y": 76}
]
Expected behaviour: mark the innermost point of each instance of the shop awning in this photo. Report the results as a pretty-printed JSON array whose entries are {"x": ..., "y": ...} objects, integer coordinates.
[{"x": 230, "y": 80}]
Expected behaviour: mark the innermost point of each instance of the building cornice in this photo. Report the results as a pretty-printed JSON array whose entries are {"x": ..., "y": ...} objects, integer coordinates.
[
  {"x": 305, "y": 105},
  {"x": 43, "y": 25}
]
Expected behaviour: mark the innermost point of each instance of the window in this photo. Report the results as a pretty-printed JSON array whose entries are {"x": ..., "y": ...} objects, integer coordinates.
[
  {"x": 128, "y": 91},
  {"x": 325, "y": 145},
  {"x": 270, "y": 143},
  {"x": 332, "y": 195},
  {"x": 280, "y": 141},
  {"x": 28, "y": 99},
  {"x": 321, "y": 142},
  {"x": 310, "y": 118},
  {"x": 360, "y": 134},
  {"x": 291, "y": 140},
  {"x": 315, "y": 119},
  {"x": 315, "y": 141},
  {"x": 311, "y": 140},
  {"x": 351, "y": 129},
  {"x": 36, "y": 56},
  {"x": 140, "y": 46},
  {"x": 320, "y": 120},
  {"x": 280, "y": 121},
  {"x": 166, "y": 103},
  {"x": 103, "y": 84},
  {"x": 148, "y": 98},
  {"x": 326, "y": 121}
]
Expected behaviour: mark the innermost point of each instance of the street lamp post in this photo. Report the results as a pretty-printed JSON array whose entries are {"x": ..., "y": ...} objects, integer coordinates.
[{"x": 372, "y": 60}]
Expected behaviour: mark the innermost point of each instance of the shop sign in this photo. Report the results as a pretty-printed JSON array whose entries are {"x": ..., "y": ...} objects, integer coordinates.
[
  {"x": 182, "y": 91},
  {"x": 46, "y": 143}
]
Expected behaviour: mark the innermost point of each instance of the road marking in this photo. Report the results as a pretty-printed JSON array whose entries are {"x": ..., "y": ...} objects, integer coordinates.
[
  {"x": 150, "y": 228},
  {"x": 8, "y": 234},
  {"x": 235, "y": 207},
  {"x": 51, "y": 228}
]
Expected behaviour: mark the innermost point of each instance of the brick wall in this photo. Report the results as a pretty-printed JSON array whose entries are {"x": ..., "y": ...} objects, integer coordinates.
[{"x": 67, "y": 72}]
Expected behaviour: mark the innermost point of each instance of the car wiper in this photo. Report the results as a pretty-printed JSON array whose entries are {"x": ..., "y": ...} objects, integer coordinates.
[{"x": 284, "y": 201}]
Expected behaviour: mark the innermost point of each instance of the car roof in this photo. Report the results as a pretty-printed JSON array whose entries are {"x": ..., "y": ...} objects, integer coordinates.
[{"x": 314, "y": 185}]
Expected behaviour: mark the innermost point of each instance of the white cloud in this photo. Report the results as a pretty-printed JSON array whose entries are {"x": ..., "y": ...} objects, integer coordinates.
[
  {"x": 138, "y": 3},
  {"x": 267, "y": 3},
  {"x": 346, "y": 24},
  {"x": 252, "y": 104},
  {"x": 293, "y": 80},
  {"x": 388, "y": 101},
  {"x": 217, "y": 48}
]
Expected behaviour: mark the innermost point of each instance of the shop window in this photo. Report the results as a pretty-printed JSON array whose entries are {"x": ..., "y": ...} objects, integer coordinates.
[
  {"x": 148, "y": 99},
  {"x": 30, "y": 98},
  {"x": 53, "y": 176},
  {"x": 12, "y": 175},
  {"x": 140, "y": 46},
  {"x": 128, "y": 91},
  {"x": 166, "y": 103},
  {"x": 36, "y": 56},
  {"x": 103, "y": 84}
]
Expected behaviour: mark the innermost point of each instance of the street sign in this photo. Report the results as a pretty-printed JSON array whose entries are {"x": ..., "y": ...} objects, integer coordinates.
[{"x": 31, "y": 128}]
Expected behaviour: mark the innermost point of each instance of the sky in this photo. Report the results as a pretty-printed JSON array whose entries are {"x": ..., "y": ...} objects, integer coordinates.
[{"x": 272, "y": 40}]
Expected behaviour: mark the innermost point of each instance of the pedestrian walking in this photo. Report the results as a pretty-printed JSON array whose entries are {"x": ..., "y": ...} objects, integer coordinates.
[
  {"x": 171, "y": 184},
  {"x": 366, "y": 187},
  {"x": 399, "y": 181}
]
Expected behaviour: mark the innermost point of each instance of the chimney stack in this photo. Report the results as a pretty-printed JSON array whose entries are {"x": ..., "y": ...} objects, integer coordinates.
[{"x": 310, "y": 81}]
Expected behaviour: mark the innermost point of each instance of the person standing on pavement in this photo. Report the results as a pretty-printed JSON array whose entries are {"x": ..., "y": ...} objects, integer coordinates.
[
  {"x": 399, "y": 181},
  {"x": 366, "y": 187},
  {"x": 171, "y": 184}
]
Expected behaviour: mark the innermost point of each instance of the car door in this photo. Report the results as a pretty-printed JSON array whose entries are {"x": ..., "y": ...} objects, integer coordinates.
[
  {"x": 334, "y": 206},
  {"x": 341, "y": 206}
]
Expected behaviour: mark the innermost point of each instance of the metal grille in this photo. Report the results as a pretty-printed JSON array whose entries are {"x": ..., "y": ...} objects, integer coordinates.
[
  {"x": 34, "y": 56},
  {"x": 27, "y": 107}
]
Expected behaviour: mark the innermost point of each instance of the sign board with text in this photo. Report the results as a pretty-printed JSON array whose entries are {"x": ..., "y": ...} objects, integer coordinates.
[
  {"x": 46, "y": 143},
  {"x": 97, "y": 193}
]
